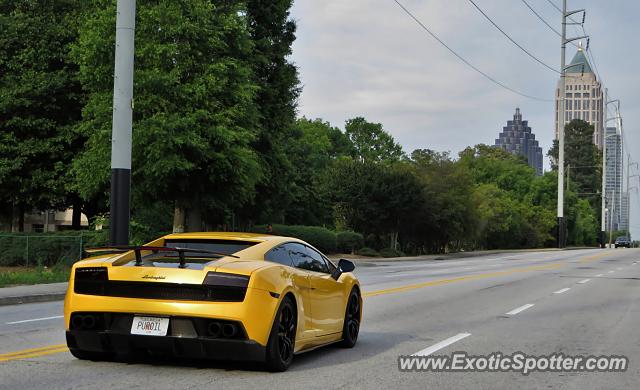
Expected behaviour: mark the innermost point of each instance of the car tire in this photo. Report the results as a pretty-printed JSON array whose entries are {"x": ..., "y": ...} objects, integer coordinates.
[
  {"x": 90, "y": 355},
  {"x": 352, "y": 317},
  {"x": 282, "y": 338}
]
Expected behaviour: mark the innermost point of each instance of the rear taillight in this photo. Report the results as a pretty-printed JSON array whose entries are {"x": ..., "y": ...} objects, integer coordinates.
[
  {"x": 220, "y": 279},
  {"x": 90, "y": 280}
]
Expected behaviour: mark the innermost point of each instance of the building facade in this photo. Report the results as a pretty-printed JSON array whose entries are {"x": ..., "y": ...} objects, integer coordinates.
[
  {"x": 517, "y": 138},
  {"x": 613, "y": 183},
  {"x": 583, "y": 97},
  {"x": 624, "y": 210}
]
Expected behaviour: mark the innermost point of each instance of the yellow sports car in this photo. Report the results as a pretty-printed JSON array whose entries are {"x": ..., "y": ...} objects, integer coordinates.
[{"x": 232, "y": 296}]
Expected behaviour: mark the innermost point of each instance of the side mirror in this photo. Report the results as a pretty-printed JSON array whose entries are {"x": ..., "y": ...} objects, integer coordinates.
[{"x": 343, "y": 266}]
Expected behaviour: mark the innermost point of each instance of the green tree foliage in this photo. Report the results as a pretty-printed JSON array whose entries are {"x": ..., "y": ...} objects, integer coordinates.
[
  {"x": 371, "y": 142},
  {"x": 510, "y": 199},
  {"x": 40, "y": 102},
  {"x": 312, "y": 146},
  {"x": 273, "y": 33},
  {"x": 194, "y": 110},
  {"x": 374, "y": 198},
  {"x": 447, "y": 218}
]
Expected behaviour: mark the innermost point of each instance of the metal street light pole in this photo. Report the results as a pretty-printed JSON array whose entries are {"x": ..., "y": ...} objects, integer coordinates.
[
  {"x": 122, "y": 123},
  {"x": 561, "y": 120}
]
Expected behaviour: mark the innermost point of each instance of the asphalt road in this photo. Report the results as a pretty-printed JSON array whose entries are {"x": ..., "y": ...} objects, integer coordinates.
[{"x": 581, "y": 302}]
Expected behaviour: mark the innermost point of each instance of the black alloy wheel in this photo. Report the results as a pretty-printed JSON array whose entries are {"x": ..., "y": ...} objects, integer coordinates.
[
  {"x": 352, "y": 317},
  {"x": 283, "y": 337}
]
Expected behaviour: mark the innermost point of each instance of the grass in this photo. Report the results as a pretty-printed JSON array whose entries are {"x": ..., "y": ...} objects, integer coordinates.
[{"x": 13, "y": 276}]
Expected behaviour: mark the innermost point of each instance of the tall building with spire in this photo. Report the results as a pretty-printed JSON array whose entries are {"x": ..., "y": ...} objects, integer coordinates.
[
  {"x": 517, "y": 138},
  {"x": 584, "y": 96}
]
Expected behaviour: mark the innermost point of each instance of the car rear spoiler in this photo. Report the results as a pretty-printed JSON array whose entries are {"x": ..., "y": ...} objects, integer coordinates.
[{"x": 138, "y": 251}]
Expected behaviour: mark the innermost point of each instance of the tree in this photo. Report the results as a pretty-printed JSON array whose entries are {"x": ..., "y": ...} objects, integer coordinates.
[
  {"x": 446, "y": 217},
  {"x": 314, "y": 144},
  {"x": 272, "y": 32},
  {"x": 39, "y": 103},
  {"x": 379, "y": 199},
  {"x": 194, "y": 107},
  {"x": 371, "y": 142}
]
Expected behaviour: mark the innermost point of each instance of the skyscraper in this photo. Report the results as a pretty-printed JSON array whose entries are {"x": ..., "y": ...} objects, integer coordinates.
[
  {"x": 584, "y": 96},
  {"x": 613, "y": 184},
  {"x": 517, "y": 138}
]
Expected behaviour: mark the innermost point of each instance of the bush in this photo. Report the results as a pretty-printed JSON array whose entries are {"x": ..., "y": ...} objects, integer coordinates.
[
  {"x": 321, "y": 238},
  {"x": 390, "y": 252},
  {"x": 47, "y": 249},
  {"x": 349, "y": 242},
  {"x": 370, "y": 252}
]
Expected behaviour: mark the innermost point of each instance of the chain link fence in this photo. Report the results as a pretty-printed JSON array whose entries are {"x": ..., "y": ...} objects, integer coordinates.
[{"x": 46, "y": 249}]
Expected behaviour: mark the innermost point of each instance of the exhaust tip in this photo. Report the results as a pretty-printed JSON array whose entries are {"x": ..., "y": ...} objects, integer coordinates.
[
  {"x": 215, "y": 329},
  {"x": 88, "y": 322},
  {"x": 229, "y": 330},
  {"x": 76, "y": 321}
]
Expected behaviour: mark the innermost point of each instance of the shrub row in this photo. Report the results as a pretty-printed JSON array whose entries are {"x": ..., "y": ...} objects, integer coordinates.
[{"x": 47, "y": 249}]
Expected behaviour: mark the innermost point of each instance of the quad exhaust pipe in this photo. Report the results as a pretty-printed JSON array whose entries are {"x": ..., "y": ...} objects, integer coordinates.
[
  {"x": 226, "y": 330},
  {"x": 84, "y": 322}
]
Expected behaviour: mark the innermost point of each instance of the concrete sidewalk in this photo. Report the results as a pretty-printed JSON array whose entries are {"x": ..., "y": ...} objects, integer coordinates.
[{"x": 33, "y": 293}]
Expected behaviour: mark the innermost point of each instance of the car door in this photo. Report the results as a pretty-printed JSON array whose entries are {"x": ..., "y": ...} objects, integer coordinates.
[
  {"x": 302, "y": 286},
  {"x": 328, "y": 296}
]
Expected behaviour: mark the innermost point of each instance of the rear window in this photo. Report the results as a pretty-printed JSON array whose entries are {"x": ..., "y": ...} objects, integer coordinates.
[{"x": 228, "y": 247}]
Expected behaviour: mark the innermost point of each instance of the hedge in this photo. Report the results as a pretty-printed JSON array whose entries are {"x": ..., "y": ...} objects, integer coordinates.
[
  {"x": 321, "y": 238},
  {"x": 48, "y": 249},
  {"x": 349, "y": 242},
  {"x": 366, "y": 251},
  {"x": 390, "y": 252}
]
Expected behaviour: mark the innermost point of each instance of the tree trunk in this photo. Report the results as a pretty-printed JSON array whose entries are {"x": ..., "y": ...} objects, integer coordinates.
[
  {"x": 194, "y": 220},
  {"x": 179, "y": 217},
  {"x": 21, "y": 218}
]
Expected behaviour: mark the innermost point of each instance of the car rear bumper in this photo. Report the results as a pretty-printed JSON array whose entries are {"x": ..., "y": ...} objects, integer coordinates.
[{"x": 188, "y": 348}]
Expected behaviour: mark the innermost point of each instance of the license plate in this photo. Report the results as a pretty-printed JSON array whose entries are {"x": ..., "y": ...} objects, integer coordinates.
[{"x": 150, "y": 326}]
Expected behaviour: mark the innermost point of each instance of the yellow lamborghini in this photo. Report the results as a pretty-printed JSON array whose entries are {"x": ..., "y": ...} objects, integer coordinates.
[{"x": 232, "y": 296}]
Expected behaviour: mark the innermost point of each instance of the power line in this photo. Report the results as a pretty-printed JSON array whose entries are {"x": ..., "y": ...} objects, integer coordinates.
[
  {"x": 493, "y": 80},
  {"x": 541, "y": 18},
  {"x": 584, "y": 32},
  {"x": 511, "y": 39}
]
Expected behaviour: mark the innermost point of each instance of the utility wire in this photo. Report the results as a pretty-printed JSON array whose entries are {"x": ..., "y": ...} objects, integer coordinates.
[
  {"x": 584, "y": 32},
  {"x": 493, "y": 80},
  {"x": 541, "y": 18},
  {"x": 545, "y": 22},
  {"x": 511, "y": 39}
]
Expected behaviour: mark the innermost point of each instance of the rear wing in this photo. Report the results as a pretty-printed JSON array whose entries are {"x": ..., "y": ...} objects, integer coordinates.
[{"x": 155, "y": 249}]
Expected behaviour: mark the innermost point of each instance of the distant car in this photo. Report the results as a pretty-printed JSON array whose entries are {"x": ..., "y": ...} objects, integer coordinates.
[
  {"x": 623, "y": 241},
  {"x": 230, "y": 296}
]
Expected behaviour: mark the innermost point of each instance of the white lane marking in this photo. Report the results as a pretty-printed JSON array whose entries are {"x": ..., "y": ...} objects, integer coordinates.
[
  {"x": 35, "y": 319},
  {"x": 599, "y": 275},
  {"x": 610, "y": 272},
  {"x": 519, "y": 309},
  {"x": 564, "y": 290},
  {"x": 444, "y": 343},
  {"x": 584, "y": 281}
]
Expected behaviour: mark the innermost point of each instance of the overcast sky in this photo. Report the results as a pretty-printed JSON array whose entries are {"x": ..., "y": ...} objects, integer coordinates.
[{"x": 368, "y": 58}]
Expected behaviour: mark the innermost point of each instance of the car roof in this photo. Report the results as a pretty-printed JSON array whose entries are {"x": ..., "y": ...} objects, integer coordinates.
[{"x": 232, "y": 236}]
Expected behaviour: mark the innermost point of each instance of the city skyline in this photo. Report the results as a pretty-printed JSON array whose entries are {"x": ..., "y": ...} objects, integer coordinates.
[{"x": 356, "y": 59}]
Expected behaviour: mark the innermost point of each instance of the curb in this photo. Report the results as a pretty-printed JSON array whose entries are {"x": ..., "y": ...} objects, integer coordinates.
[{"x": 16, "y": 300}]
